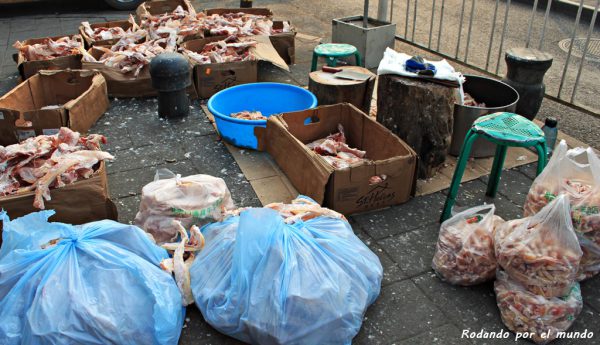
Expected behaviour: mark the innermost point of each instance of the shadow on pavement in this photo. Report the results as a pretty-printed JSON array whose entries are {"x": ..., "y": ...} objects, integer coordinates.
[{"x": 52, "y": 7}]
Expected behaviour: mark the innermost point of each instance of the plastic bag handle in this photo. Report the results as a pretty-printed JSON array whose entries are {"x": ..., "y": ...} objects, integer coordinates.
[{"x": 473, "y": 210}]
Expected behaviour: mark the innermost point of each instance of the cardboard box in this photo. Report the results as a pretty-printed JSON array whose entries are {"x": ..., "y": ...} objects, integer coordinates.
[
  {"x": 346, "y": 190},
  {"x": 30, "y": 68},
  {"x": 284, "y": 43},
  {"x": 154, "y": 8},
  {"x": 89, "y": 41},
  {"x": 81, "y": 96},
  {"x": 80, "y": 202},
  {"x": 212, "y": 78}
]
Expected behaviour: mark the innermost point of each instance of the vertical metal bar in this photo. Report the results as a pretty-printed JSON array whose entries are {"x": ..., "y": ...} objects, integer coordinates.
[
  {"x": 531, "y": 23},
  {"x": 585, "y": 50},
  {"x": 489, "y": 52},
  {"x": 462, "y": 14},
  {"x": 406, "y": 22},
  {"x": 441, "y": 24},
  {"x": 469, "y": 32},
  {"x": 548, "y": 5},
  {"x": 575, "y": 27},
  {"x": 502, "y": 37},
  {"x": 431, "y": 25},
  {"x": 382, "y": 10},
  {"x": 414, "y": 21},
  {"x": 392, "y": 12},
  {"x": 366, "y": 15}
]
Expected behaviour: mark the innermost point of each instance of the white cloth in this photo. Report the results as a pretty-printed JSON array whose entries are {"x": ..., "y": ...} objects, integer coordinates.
[{"x": 394, "y": 62}]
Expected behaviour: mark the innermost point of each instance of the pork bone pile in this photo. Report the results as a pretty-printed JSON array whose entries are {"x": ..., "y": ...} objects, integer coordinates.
[{"x": 336, "y": 152}]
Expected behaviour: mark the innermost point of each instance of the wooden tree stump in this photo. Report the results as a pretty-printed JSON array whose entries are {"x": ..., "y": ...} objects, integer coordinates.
[
  {"x": 420, "y": 113},
  {"x": 331, "y": 90}
]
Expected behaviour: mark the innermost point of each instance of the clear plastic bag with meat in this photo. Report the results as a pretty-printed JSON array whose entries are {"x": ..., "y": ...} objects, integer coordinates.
[
  {"x": 96, "y": 283},
  {"x": 525, "y": 312},
  {"x": 575, "y": 172},
  {"x": 280, "y": 275},
  {"x": 541, "y": 252},
  {"x": 465, "y": 248},
  {"x": 191, "y": 200}
]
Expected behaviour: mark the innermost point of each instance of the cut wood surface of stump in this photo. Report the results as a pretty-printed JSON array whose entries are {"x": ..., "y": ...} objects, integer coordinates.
[
  {"x": 420, "y": 113},
  {"x": 331, "y": 90}
]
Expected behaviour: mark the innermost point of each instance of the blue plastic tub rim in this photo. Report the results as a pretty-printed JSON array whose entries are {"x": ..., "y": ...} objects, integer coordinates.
[{"x": 253, "y": 122}]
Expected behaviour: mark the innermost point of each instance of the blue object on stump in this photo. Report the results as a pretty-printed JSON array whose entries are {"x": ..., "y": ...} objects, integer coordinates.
[{"x": 268, "y": 98}]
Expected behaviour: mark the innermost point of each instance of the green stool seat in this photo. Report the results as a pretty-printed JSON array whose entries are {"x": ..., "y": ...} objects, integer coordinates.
[
  {"x": 332, "y": 51},
  {"x": 505, "y": 130}
]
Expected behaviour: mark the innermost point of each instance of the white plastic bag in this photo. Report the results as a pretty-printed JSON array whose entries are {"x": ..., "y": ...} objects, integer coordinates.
[
  {"x": 525, "y": 312},
  {"x": 541, "y": 252},
  {"x": 192, "y": 200},
  {"x": 575, "y": 172},
  {"x": 465, "y": 249}
]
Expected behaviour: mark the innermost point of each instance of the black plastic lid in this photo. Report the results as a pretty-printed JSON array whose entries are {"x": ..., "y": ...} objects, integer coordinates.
[{"x": 551, "y": 122}]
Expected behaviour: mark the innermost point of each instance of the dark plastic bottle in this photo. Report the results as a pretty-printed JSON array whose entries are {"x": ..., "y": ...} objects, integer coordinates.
[{"x": 550, "y": 131}]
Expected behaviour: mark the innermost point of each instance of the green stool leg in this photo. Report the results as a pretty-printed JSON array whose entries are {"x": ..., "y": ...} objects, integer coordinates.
[
  {"x": 542, "y": 152},
  {"x": 465, "y": 152},
  {"x": 314, "y": 62},
  {"x": 358, "y": 60},
  {"x": 494, "y": 179}
]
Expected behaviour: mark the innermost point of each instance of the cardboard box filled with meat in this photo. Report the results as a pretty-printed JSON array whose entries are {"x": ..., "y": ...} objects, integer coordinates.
[
  {"x": 64, "y": 172},
  {"x": 281, "y": 33},
  {"x": 109, "y": 33},
  {"x": 50, "y": 100},
  {"x": 224, "y": 61},
  {"x": 49, "y": 53},
  {"x": 340, "y": 157},
  {"x": 154, "y": 8}
]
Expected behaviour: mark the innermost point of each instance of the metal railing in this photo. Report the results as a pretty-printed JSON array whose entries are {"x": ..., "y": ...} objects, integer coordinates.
[{"x": 417, "y": 26}]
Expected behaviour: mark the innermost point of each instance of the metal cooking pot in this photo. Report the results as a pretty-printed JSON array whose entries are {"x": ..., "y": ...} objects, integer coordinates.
[{"x": 496, "y": 95}]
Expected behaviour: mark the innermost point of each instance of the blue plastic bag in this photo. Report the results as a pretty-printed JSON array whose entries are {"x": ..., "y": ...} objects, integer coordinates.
[
  {"x": 263, "y": 281},
  {"x": 97, "y": 283}
]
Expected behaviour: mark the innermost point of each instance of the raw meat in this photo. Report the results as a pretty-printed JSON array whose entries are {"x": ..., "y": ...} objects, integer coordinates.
[
  {"x": 50, "y": 49},
  {"x": 231, "y": 49},
  {"x": 470, "y": 101},
  {"x": 336, "y": 152},
  {"x": 248, "y": 115},
  {"x": 192, "y": 200},
  {"x": 49, "y": 161}
]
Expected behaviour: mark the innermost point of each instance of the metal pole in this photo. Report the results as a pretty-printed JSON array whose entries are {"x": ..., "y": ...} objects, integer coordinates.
[
  {"x": 487, "y": 59},
  {"x": 382, "y": 10},
  {"x": 406, "y": 22},
  {"x": 502, "y": 37},
  {"x": 585, "y": 50},
  {"x": 469, "y": 31},
  {"x": 441, "y": 24},
  {"x": 392, "y": 12},
  {"x": 531, "y": 23},
  {"x": 544, "y": 25},
  {"x": 414, "y": 21},
  {"x": 562, "y": 79},
  {"x": 366, "y": 15},
  {"x": 462, "y": 14},
  {"x": 431, "y": 25}
]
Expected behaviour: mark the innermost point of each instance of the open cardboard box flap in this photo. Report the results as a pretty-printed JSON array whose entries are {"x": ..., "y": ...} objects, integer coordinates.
[
  {"x": 253, "y": 10},
  {"x": 345, "y": 190},
  {"x": 30, "y": 68},
  {"x": 80, "y": 95},
  {"x": 124, "y": 24}
]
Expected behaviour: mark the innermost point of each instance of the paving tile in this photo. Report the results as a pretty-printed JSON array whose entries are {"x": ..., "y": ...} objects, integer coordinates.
[
  {"x": 145, "y": 156},
  {"x": 128, "y": 183},
  {"x": 391, "y": 270},
  {"x": 472, "y": 194},
  {"x": 128, "y": 208},
  {"x": 196, "y": 124},
  {"x": 117, "y": 136},
  {"x": 446, "y": 335},
  {"x": 413, "y": 250},
  {"x": 590, "y": 290},
  {"x": 401, "y": 311},
  {"x": 271, "y": 73},
  {"x": 514, "y": 185},
  {"x": 528, "y": 169},
  {"x": 197, "y": 331},
  {"x": 402, "y": 218}
]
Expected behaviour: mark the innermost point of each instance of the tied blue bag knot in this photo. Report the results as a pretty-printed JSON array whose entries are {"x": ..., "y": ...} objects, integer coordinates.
[
  {"x": 264, "y": 281},
  {"x": 97, "y": 283}
]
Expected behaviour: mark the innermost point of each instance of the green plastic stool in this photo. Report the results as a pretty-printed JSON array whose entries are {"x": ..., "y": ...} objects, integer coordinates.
[
  {"x": 332, "y": 51},
  {"x": 503, "y": 129}
]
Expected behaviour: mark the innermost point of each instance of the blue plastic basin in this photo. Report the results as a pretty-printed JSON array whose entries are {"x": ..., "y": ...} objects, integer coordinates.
[{"x": 268, "y": 98}]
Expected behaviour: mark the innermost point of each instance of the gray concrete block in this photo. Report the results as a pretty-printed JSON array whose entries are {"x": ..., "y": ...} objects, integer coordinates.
[
  {"x": 197, "y": 331},
  {"x": 128, "y": 208},
  {"x": 514, "y": 185},
  {"x": 472, "y": 194},
  {"x": 445, "y": 335}
]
